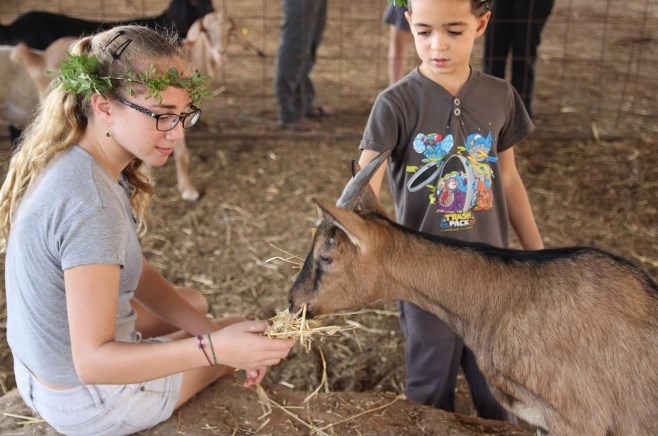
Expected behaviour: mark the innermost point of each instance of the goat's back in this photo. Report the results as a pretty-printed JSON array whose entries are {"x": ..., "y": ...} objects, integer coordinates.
[
  {"x": 585, "y": 342},
  {"x": 38, "y": 29}
]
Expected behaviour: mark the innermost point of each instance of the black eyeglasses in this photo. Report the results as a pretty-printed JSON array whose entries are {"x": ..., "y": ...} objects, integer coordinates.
[{"x": 166, "y": 122}]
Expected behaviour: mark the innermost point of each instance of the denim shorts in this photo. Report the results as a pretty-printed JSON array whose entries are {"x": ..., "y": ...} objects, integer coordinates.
[{"x": 100, "y": 409}]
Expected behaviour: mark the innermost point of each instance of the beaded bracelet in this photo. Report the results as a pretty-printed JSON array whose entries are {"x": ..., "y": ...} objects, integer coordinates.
[
  {"x": 203, "y": 350},
  {"x": 212, "y": 348}
]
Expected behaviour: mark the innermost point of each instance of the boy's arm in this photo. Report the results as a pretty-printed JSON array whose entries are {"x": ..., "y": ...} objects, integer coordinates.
[
  {"x": 518, "y": 205},
  {"x": 378, "y": 177}
]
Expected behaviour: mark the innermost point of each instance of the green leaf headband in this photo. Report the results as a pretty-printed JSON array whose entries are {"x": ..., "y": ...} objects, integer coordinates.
[
  {"x": 487, "y": 3},
  {"x": 79, "y": 75}
]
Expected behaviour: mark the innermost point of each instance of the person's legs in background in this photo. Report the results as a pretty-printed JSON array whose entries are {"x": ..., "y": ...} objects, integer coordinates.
[
  {"x": 399, "y": 39},
  {"x": 498, "y": 38},
  {"x": 529, "y": 19},
  {"x": 293, "y": 58},
  {"x": 319, "y": 17}
]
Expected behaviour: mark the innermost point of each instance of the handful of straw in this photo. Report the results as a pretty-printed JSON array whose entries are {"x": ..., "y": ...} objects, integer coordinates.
[{"x": 286, "y": 325}]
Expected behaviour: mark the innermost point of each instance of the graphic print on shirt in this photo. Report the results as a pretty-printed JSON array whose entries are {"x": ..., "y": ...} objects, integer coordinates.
[{"x": 459, "y": 179}]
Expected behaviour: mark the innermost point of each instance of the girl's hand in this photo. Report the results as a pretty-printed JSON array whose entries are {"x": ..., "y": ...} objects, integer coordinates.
[
  {"x": 243, "y": 346},
  {"x": 254, "y": 376}
]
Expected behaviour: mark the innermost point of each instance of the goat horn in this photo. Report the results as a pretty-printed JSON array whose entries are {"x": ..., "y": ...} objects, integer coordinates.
[{"x": 350, "y": 196}]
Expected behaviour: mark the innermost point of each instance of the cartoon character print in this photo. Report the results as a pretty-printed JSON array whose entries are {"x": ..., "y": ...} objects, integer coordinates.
[
  {"x": 478, "y": 148},
  {"x": 459, "y": 179},
  {"x": 483, "y": 199},
  {"x": 433, "y": 146},
  {"x": 451, "y": 193}
]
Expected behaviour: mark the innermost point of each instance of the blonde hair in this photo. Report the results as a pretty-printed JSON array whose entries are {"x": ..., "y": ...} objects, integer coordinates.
[{"x": 63, "y": 117}]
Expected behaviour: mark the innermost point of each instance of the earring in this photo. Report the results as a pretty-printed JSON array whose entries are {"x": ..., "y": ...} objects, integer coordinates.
[{"x": 107, "y": 133}]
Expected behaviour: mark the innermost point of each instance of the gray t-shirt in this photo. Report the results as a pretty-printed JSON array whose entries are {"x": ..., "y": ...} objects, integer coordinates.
[
  {"x": 444, "y": 171},
  {"x": 75, "y": 215}
]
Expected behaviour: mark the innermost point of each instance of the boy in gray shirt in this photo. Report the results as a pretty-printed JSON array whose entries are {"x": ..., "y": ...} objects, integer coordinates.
[{"x": 452, "y": 173}]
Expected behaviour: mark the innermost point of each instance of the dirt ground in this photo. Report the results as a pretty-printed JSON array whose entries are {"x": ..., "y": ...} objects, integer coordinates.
[{"x": 591, "y": 171}]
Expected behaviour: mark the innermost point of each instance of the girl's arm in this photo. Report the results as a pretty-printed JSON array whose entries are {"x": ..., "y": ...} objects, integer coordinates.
[
  {"x": 518, "y": 205},
  {"x": 158, "y": 294},
  {"x": 92, "y": 298}
]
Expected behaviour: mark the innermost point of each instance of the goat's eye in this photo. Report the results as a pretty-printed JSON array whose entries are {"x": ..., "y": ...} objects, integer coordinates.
[
  {"x": 324, "y": 259},
  {"x": 332, "y": 242}
]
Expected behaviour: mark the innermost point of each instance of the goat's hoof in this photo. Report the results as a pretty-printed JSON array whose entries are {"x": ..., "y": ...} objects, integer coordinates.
[{"x": 190, "y": 194}]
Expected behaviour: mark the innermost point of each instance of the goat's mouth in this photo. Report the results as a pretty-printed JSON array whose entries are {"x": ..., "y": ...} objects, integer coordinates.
[{"x": 294, "y": 308}]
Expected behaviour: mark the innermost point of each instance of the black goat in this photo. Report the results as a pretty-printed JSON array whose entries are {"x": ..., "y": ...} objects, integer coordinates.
[{"x": 38, "y": 29}]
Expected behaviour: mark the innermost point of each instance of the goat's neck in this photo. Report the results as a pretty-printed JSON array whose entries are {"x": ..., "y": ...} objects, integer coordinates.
[{"x": 468, "y": 290}]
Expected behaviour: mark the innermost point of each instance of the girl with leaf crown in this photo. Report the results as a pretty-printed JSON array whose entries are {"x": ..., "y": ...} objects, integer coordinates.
[{"x": 102, "y": 342}]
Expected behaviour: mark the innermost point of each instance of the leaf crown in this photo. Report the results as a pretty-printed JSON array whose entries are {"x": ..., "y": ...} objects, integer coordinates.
[
  {"x": 79, "y": 75},
  {"x": 487, "y": 3}
]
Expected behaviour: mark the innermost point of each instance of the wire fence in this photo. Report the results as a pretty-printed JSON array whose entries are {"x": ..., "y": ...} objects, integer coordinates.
[{"x": 597, "y": 67}]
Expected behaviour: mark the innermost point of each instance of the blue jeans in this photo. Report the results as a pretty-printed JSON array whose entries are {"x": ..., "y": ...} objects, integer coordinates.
[{"x": 302, "y": 26}]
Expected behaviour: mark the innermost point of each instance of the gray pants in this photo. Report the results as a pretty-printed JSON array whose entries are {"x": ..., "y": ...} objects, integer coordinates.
[
  {"x": 433, "y": 355},
  {"x": 302, "y": 26}
]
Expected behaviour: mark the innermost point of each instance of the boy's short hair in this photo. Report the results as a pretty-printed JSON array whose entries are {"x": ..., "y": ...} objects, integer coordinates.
[{"x": 478, "y": 7}]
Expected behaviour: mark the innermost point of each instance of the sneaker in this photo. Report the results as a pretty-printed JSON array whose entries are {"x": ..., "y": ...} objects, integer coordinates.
[{"x": 319, "y": 112}]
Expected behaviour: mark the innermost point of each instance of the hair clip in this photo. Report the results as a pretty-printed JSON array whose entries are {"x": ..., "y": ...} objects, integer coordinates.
[{"x": 121, "y": 48}]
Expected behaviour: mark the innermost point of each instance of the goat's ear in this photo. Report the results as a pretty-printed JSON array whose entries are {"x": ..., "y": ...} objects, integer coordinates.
[
  {"x": 210, "y": 20},
  {"x": 19, "y": 53},
  {"x": 349, "y": 222},
  {"x": 194, "y": 31},
  {"x": 355, "y": 167},
  {"x": 368, "y": 202}
]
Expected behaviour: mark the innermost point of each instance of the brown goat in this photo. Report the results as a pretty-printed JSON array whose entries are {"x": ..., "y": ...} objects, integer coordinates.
[{"x": 567, "y": 338}]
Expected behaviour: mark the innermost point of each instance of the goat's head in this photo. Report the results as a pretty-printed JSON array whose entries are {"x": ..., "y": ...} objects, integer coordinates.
[
  {"x": 213, "y": 31},
  {"x": 341, "y": 269}
]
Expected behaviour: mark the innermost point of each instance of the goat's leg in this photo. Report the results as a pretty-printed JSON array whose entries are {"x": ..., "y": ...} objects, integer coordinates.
[{"x": 182, "y": 159}]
